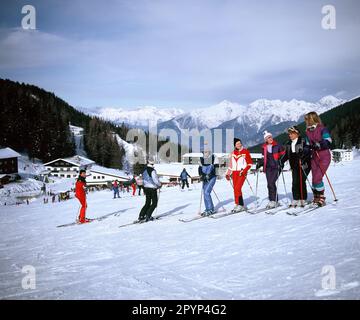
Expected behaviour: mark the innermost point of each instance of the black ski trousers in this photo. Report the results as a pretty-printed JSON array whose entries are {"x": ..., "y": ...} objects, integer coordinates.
[{"x": 150, "y": 203}]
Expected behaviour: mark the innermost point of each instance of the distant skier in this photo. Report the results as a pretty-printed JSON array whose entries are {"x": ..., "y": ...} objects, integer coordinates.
[
  {"x": 298, "y": 155},
  {"x": 133, "y": 185},
  {"x": 183, "y": 177},
  {"x": 80, "y": 194},
  {"x": 239, "y": 164},
  {"x": 318, "y": 139},
  {"x": 207, "y": 172},
  {"x": 272, "y": 152},
  {"x": 151, "y": 185},
  {"x": 116, "y": 189}
]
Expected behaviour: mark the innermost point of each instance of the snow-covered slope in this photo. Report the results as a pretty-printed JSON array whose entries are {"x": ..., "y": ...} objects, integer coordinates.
[
  {"x": 238, "y": 257},
  {"x": 78, "y": 133}
]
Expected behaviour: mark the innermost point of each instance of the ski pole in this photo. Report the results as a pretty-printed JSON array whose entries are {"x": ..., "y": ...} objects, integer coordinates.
[
  {"x": 301, "y": 181},
  {"x": 250, "y": 186},
  {"x": 256, "y": 190},
  {"x": 277, "y": 187},
  {"x": 202, "y": 190},
  {"x": 157, "y": 203},
  {"x": 282, "y": 173},
  {"x": 218, "y": 200},
  {"x": 307, "y": 179},
  {"x": 325, "y": 174}
]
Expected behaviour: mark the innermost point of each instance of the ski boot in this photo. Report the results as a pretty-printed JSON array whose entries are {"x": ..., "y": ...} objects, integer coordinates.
[
  {"x": 294, "y": 204},
  {"x": 303, "y": 203},
  {"x": 207, "y": 213},
  {"x": 238, "y": 208},
  {"x": 271, "y": 205},
  {"x": 140, "y": 220}
]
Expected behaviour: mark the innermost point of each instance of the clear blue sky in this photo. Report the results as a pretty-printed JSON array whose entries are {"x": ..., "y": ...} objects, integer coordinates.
[{"x": 182, "y": 53}]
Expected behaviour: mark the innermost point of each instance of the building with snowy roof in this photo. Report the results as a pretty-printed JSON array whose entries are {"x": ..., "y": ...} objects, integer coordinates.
[
  {"x": 342, "y": 155},
  {"x": 68, "y": 167},
  {"x": 102, "y": 176},
  {"x": 169, "y": 173},
  {"x": 8, "y": 161}
]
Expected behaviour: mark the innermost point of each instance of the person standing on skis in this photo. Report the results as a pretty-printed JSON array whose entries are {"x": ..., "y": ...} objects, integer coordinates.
[
  {"x": 183, "y": 177},
  {"x": 318, "y": 139},
  {"x": 239, "y": 164},
  {"x": 298, "y": 155},
  {"x": 272, "y": 152},
  {"x": 80, "y": 194},
  {"x": 116, "y": 189},
  {"x": 207, "y": 172},
  {"x": 151, "y": 185}
]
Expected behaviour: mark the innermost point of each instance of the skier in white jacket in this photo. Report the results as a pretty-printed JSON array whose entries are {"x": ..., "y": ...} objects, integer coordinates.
[{"x": 151, "y": 185}]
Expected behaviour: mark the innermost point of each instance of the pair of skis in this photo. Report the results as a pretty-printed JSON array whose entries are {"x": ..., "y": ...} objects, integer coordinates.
[
  {"x": 115, "y": 214},
  {"x": 138, "y": 222},
  {"x": 216, "y": 215},
  {"x": 290, "y": 211}
]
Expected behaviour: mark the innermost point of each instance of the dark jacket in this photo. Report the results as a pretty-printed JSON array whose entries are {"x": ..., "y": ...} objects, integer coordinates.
[
  {"x": 207, "y": 168},
  {"x": 271, "y": 160},
  {"x": 302, "y": 152},
  {"x": 184, "y": 174}
]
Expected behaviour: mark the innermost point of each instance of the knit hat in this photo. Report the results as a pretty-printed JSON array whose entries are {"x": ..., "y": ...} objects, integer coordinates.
[
  {"x": 236, "y": 140},
  {"x": 267, "y": 135},
  {"x": 150, "y": 163},
  {"x": 82, "y": 171},
  {"x": 294, "y": 129}
]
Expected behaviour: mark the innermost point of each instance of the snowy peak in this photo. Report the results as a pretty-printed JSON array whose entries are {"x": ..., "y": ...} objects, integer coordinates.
[
  {"x": 252, "y": 117},
  {"x": 210, "y": 117},
  {"x": 330, "y": 101},
  {"x": 139, "y": 116}
]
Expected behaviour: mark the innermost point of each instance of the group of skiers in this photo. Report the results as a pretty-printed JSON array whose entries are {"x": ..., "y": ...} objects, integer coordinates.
[
  {"x": 135, "y": 183},
  {"x": 305, "y": 154}
]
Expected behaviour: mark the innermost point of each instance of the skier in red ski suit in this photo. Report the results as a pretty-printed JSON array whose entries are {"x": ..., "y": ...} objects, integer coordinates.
[
  {"x": 239, "y": 164},
  {"x": 80, "y": 194}
]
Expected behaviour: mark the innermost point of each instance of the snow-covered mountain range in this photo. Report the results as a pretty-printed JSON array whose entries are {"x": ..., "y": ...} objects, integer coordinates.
[
  {"x": 138, "y": 117},
  {"x": 248, "y": 121}
]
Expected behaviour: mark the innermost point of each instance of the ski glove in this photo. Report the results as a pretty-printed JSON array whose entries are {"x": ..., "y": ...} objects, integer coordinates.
[
  {"x": 259, "y": 164},
  {"x": 316, "y": 146},
  {"x": 305, "y": 165},
  {"x": 227, "y": 177},
  {"x": 243, "y": 172}
]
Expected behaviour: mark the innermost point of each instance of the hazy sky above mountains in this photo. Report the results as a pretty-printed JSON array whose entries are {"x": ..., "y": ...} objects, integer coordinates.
[{"x": 182, "y": 53}]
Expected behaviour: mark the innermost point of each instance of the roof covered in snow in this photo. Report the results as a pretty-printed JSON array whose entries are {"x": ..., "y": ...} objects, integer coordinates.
[
  {"x": 219, "y": 155},
  {"x": 109, "y": 171},
  {"x": 75, "y": 160},
  {"x": 8, "y": 153},
  {"x": 174, "y": 169},
  {"x": 342, "y": 150},
  {"x": 199, "y": 154}
]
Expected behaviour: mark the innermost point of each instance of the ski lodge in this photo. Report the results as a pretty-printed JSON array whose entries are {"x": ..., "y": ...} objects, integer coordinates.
[
  {"x": 102, "y": 176},
  {"x": 343, "y": 154},
  {"x": 68, "y": 167},
  {"x": 169, "y": 173},
  {"x": 8, "y": 165}
]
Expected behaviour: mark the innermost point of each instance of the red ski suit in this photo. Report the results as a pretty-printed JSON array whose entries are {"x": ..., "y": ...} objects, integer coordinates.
[
  {"x": 239, "y": 164},
  {"x": 81, "y": 195}
]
